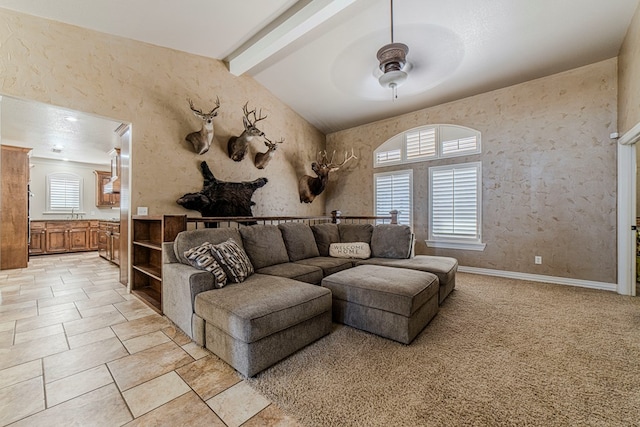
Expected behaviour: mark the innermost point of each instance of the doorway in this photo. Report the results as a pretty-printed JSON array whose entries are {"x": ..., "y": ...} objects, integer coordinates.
[
  {"x": 78, "y": 142},
  {"x": 627, "y": 225}
]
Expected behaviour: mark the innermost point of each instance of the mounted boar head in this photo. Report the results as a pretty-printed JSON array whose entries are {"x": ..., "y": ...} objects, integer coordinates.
[
  {"x": 262, "y": 159},
  {"x": 237, "y": 145},
  {"x": 309, "y": 187},
  {"x": 201, "y": 140}
]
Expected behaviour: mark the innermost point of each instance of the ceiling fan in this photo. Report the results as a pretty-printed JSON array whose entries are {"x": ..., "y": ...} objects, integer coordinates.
[
  {"x": 393, "y": 63},
  {"x": 373, "y": 77}
]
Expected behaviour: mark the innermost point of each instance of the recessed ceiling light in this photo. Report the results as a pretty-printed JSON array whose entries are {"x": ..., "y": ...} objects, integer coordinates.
[{"x": 71, "y": 119}]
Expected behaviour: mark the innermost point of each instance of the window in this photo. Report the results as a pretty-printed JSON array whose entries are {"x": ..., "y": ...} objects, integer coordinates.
[
  {"x": 455, "y": 206},
  {"x": 64, "y": 192},
  {"x": 393, "y": 191},
  {"x": 427, "y": 143}
]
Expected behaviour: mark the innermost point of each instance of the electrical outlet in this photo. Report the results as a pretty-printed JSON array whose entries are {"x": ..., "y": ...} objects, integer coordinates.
[
  {"x": 537, "y": 259},
  {"x": 142, "y": 210}
]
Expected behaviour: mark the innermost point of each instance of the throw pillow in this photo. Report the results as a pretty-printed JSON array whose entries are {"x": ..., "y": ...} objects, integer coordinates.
[
  {"x": 202, "y": 258},
  {"x": 233, "y": 259},
  {"x": 360, "y": 250}
]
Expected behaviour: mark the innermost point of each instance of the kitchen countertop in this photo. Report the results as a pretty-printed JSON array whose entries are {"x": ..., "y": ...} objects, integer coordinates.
[{"x": 76, "y": 219}]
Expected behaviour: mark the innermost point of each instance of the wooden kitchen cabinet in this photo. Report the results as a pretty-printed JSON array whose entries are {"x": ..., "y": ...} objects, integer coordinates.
[
  {"x": 56, "y": 237},
  {"x": 52, "y": 237},
  {"x": 109, "y": 241},
  {"x": 93, "y": 236},
  {"x": 105, "y": 200},
  {"x": 14, "y": 203},
  {"x": 37, "y": 238}
]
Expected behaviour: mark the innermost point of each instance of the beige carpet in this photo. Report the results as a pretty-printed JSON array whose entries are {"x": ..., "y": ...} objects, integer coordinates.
[{"x": 499, "y": 352}]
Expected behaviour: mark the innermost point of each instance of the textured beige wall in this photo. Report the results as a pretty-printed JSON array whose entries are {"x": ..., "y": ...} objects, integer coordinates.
[
  {"x": 549, "y": 173},
  {"x": 629, "y": 85},
  {"x": 629, "y": 77},
  {"x": 148, "y": 85}
]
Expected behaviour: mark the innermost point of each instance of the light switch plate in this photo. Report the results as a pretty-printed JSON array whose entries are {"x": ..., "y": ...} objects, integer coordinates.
[{"x": 143, "y": 210}]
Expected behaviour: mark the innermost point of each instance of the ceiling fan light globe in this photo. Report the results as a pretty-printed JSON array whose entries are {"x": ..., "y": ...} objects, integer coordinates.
[{"x": 392, "y": 79}]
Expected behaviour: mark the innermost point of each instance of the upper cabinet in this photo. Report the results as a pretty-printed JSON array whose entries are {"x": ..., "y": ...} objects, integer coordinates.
[{"x": 105, "y": 200}]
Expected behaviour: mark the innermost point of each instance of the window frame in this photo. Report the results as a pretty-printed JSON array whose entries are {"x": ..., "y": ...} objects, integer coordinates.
[
  {"x": 67, "y": 176},
  {"x": 449, "y": 241},
  {"x": 409, "y": 173},
  {"x": 400, "y": 142}
]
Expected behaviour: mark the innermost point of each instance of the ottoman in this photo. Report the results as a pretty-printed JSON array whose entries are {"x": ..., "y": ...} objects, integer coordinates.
[
  {"x": 394, "y": 303},
  {"x": 443, "y": 267}
]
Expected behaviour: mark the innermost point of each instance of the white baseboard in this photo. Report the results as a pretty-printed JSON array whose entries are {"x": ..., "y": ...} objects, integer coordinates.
[{"x": 540, "y": 278}]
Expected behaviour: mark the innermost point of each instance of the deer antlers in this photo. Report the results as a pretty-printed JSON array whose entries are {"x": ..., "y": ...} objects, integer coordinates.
[
  {"x": 199, "y": 112},
  {"x": 255, "y": 119},
  {"x": 324, "y": 162}
]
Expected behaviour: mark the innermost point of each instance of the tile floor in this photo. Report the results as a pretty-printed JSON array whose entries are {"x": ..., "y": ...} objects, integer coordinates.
[{"x": 76, "y": 349}]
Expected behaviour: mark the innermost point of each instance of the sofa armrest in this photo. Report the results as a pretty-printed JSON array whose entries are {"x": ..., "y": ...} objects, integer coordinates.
[
  {"x": 180, "y": 285},
  {"x": 168, "y": 254}
]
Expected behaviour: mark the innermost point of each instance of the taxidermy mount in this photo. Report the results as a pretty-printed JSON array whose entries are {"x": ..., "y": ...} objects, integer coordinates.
[
  {"x": 219, "y": 198},
  {"x": 201, "y": 140}
]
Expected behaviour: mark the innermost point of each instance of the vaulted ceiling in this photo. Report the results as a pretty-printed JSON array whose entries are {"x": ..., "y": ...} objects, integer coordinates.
[{"x": 319, "y": 57}]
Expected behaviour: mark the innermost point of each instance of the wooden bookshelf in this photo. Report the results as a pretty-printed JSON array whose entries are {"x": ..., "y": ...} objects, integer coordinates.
[{"x": 149, "y": 233}]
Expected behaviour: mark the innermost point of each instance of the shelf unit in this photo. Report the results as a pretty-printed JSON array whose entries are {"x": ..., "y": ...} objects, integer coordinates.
[{"x": 149, "y": 233}]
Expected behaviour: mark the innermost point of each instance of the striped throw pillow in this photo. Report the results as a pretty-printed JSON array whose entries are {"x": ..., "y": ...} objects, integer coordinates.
[
  {"x": 202, "y": 258},
  {"x": 233, "y": 259}
]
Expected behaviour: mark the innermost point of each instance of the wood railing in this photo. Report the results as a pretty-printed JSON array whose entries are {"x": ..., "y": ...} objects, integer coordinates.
[{"x": 336, "y": 217}]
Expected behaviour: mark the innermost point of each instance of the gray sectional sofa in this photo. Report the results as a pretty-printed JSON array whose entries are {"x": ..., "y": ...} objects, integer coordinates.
[{"x": 287, "y": 300}]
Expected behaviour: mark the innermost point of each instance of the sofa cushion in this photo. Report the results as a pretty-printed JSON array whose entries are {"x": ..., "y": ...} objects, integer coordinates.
[
  {"x": 293, "y": 270},
  {"x": 264, "y": 245},
  {"x": 391, "y": 241},
  {"x": 261, "y": 306},
  {"x": 328, "y": 265},
  {"x": 299, "y": 241},
  {"x": 355, "y": 233},
  {"x": 358, "y": 250},
  {"x": 325, "y": 235},
  {"x": 202, "y": 258},
  {"x": 233, "y": 259},
  {"x": 186, "y": 240},
  {"x": 443, "y": 267}
]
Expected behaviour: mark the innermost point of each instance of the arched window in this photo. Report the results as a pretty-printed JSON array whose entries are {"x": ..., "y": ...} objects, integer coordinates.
[{"x": 427, "y": 143}]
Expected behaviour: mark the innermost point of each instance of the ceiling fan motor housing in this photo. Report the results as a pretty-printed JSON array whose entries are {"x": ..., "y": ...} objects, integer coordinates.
[{"x": 392, "y": 57}]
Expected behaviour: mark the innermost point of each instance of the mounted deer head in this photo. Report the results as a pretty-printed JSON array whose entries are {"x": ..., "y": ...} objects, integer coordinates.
[
  {"x": 262, "y": 159},
  {"x": 237, "y": 145},
  {"x": 309, "y": 187},
  {"x": 201, "y": 140}
]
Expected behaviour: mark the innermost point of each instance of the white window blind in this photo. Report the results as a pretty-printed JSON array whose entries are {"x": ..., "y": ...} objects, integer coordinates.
[
  {"x": 459, "y": 146},
  {"x": 455, "y": 202},
  {"x": 393, "y": 191},
  {"x": 426, "y": 143},
  {"x": 388, "y": 156},
  {"x": 64, "y": 192},
  {"x": 421, "y": 143}
]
